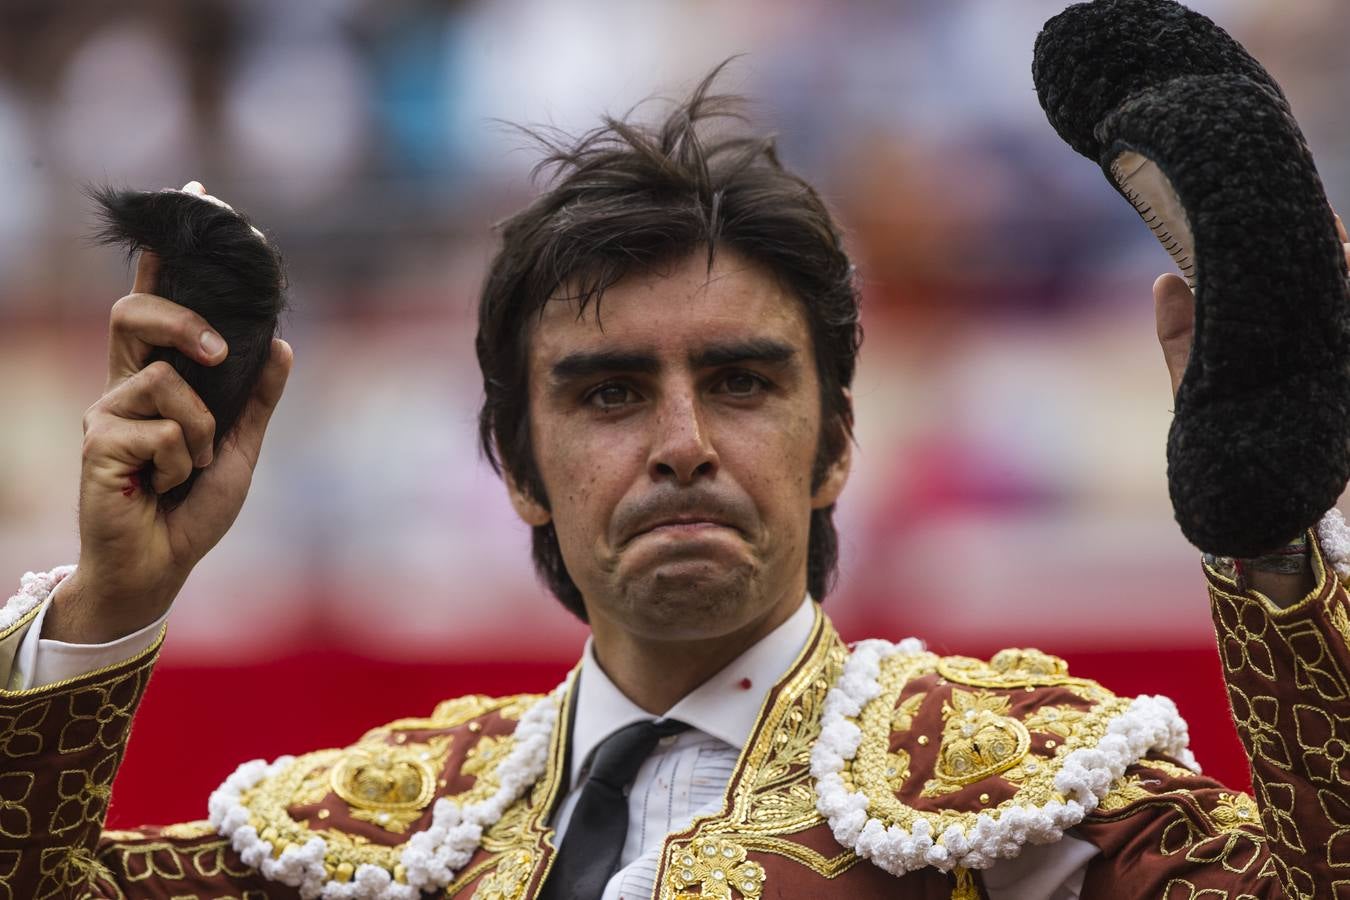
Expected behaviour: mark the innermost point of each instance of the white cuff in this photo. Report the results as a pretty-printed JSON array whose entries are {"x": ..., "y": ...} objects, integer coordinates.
[{"x": 41, "y": 662}]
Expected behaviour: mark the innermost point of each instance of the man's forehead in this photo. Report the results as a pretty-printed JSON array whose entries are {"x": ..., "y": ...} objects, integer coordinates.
[{"x": 678, "y": 313}]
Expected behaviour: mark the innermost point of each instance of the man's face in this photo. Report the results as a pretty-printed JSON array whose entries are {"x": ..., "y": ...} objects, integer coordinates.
[{"x": 675, "y": 437}]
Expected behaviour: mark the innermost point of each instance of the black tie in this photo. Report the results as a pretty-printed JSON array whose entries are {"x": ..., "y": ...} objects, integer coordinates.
[{"x": 590, "y": 850}]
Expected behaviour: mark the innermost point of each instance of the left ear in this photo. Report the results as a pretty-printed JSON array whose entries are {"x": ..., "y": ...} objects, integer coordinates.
[{"x": 836, "y": 476}]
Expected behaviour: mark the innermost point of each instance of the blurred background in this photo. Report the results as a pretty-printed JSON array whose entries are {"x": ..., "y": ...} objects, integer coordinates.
[{"x": 1012, "y": 404}]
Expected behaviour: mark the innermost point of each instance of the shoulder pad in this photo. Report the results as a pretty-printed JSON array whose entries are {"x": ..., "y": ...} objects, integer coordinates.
[
  {"x": 960, "y": 761},
  {"x": 366, "y": 800}
]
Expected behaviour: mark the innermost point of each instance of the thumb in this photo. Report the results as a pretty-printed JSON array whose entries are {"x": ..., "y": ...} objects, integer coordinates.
[
  {"x": 248, "y": 436},
  {"x": 1174, "y": 308}
]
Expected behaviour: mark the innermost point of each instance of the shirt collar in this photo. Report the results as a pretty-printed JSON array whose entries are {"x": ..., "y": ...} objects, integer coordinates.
[{"x": 725, "y": 706}]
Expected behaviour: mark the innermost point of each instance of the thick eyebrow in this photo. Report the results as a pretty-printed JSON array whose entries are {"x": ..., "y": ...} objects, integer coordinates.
[
  {"x": 760, "y": 350},
  {"x": 584, "y": 364}
]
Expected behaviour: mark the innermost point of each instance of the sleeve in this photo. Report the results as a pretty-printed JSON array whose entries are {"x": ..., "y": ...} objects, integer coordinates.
[
  {"x": 60, "y": 748},
  {"x": 41, "y": 661},
  {"x": 1180, "y": 835}
]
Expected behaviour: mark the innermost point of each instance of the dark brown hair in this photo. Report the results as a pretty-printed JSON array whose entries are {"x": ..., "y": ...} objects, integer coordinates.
[{"x": 627, "y": 197}]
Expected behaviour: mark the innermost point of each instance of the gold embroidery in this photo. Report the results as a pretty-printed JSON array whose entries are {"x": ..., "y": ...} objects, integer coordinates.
[
  {"x": 1234, "y": 811},
  {"x": 511, "y": 878},
  {"x": 1242, "y": 629},
  {"x": 964, "y": 887},
  {"x": 1315, "y": 666},
  {"x": 9, "y": 864},
  {"x": 481, "y": 762},
  {"x": 897, "y": 770},
  {"x": 1060, "y": 720},
  {"x": 1011, "y": 668},
  {"x": 19, "y": 734},
  {"x": 390, "y": 784},
  {"x": 1325, "y": 741},
  {"x": 771, "y": 793},
  {"x": 800, "y": 853},
  {"x": 716, "y": 867},
  {"x": 83, "y": 795},
  {"x": 868, "y": 769},
  {"x": 69, "y": 871},
  {"x": 979, "y": 739},
  {"x": 1125, "y": 791},
  {"x": 14, "y": 819},
  {"x": 316, "y": 782},
  {"x": 776, "y": 796},
  {"x": 1340, "y": 619},
  {"x": 458, "y": 710},
  {"x": 1184, "y": 889},
  {"x": 1337, "y": 810},
  {"x": 1277, "y": 802},
  {"x": 1258, "y": 725},
  {"x": 1166, "y": 767},
  {"x": 188, "y": 830},
  {"x": 268, "y": 804},
  {"x": 902, "y": 719},
  {"x": 1233, "y": 851}
]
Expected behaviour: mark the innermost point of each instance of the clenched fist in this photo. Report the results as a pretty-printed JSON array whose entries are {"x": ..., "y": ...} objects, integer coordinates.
[{"x": 134, "y": 558}]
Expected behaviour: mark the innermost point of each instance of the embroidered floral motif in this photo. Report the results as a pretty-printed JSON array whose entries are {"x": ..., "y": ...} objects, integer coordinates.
[
  {"x": 19, "y": 734},
  {"x": 83, "y": 795},
  {"x": 1277, "y": 800},
  {"x": 1235, "y": 811},
  {"x": 1243, "y": 635},
  {"x": 1325, "y": 742},
  {"x": 1257, "y": 720},
  {"x": 717, "y": 868}
]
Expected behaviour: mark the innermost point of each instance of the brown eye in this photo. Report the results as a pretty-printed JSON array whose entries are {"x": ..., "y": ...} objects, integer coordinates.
[
  {"x": 608, "y": 396},
  {"x": 743, "y": 384}
]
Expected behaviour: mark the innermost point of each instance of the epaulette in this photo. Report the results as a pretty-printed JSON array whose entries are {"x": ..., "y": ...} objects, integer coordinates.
[
  {"x": 926, "y": 760},
  {"x": 385, "y": 817}
]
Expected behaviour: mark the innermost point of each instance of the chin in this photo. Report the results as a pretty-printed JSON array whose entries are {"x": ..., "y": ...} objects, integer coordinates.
[{"x": 689, "y": 600}]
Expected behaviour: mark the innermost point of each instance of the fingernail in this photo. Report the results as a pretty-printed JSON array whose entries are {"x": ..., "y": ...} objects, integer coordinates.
[
  {"x": 205, "y": 459},
  {"x": 194, "y": 187},
  {"x": 212, "y": 343}
]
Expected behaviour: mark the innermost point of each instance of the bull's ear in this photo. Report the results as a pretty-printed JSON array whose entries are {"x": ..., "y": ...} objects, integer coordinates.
[
  {"x": 1197, "y": 136},
  {"x": 214, "y": 262}
]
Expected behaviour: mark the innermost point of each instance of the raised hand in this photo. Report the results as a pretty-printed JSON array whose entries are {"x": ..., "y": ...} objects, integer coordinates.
[{"x": 135, "y": 558}]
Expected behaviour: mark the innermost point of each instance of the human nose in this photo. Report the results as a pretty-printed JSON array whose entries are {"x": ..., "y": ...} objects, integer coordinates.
[{"x": 682, "y": 448}]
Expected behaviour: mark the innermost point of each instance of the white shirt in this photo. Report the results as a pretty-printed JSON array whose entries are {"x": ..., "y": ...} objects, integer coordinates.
[{"x": 685, "y": 776}]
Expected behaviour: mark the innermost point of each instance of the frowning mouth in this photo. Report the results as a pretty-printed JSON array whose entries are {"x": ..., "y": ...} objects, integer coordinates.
[
  {"x": 682, "y": 526},
  {"x": 677, "y": 527}
]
